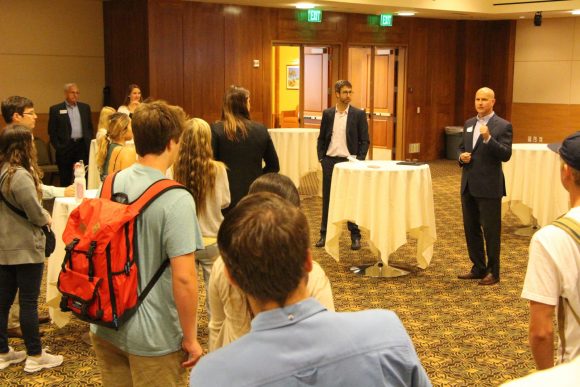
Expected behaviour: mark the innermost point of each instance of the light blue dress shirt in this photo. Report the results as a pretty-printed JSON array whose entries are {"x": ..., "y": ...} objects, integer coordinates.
[
  {"x": 305, "y": 345},
  {"x": 74, "y": 116}
]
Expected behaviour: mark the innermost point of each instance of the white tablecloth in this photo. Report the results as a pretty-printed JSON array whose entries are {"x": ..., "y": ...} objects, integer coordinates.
[
  {"x": 93, "y": 178},
  {"x": 532, "y": 178},
  {"x": 60, "y": 213},
  {"x": 296, "y": 150},
  {"x": 389, "y": 200}
]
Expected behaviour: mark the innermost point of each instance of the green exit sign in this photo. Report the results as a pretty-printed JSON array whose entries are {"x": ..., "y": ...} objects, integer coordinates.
[
  {"x": 386, "y": 20},
  {"x": 314, "y": 16}
]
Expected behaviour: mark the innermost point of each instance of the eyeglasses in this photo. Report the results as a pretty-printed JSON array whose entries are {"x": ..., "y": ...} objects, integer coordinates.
[{"x": 32, "y": 113}]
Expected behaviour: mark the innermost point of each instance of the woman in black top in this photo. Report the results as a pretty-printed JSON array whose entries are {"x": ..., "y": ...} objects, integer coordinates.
[{"x": 242, "y": 144}]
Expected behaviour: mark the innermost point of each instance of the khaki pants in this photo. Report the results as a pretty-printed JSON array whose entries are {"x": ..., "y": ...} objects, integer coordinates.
[{"x": 119, "y": 368}]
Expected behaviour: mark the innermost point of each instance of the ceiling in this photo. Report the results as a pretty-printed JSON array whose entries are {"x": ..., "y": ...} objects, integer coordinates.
[{"x": 440, "y": 9}]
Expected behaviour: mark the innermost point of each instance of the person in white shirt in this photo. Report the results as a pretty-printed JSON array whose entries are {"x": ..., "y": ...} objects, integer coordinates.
[{"x": 553, "y": 275}]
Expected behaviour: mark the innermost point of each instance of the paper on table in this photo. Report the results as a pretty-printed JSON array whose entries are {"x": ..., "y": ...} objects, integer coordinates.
[{"x": 353, "y": 159}]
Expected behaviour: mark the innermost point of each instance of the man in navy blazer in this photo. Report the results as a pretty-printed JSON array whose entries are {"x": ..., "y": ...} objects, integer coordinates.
[
  {"x": 70, "y": 128},
  {"x": 486, "y": 143},
  {"x": 344, "y": 131}
]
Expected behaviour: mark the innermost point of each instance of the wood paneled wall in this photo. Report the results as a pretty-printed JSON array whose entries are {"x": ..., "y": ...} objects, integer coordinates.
[
  {"x": 552, "y": 122},
  {"x": 126, "y": 48},
  {"x": 188, "y": 53}
]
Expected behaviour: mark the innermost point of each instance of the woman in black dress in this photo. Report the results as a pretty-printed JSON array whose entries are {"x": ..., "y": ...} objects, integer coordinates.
[{"x": 242, "y": 144}]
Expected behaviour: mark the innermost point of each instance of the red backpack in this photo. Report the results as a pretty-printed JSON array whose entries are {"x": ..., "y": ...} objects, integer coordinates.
[{"x": 99, "y": 277}]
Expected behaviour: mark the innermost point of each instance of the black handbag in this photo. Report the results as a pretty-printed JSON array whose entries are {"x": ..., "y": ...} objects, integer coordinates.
[{"x": 50, "y": 244}]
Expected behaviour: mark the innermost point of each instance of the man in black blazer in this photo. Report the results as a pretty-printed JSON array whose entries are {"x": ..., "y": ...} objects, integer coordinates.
[
  {"x": 486, "y": 143},
  {"x": 70, "y": 128},
  {"x": 343, "y": 131}
]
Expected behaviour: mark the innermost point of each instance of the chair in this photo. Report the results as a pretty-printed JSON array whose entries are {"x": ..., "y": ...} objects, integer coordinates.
[
  {"x": 45, "y": 161},
  {"x": 289, "y": 119}
]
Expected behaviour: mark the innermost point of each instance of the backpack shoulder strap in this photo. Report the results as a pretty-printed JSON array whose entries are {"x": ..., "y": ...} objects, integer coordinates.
[
  {"x": 107, "y": 188},
  {"x": 571, "y": 226},
  {"x": 153, "y": 192}
]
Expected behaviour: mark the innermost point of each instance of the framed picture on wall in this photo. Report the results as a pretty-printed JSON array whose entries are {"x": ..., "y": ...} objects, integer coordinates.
[{"x": 292, "y": 77}]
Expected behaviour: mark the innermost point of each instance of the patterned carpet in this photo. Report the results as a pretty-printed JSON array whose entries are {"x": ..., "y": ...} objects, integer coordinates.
[{"x": 465, "y": 334}]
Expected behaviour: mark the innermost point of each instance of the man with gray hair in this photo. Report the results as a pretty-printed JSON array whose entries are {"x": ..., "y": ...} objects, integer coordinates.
[{"x": 70, "y": 128}]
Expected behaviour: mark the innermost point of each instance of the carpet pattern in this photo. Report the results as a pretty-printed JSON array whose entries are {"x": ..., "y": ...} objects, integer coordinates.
[{"x": 464, "y": 334}]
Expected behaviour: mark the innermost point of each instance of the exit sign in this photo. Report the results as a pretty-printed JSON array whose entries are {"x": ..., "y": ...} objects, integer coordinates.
[
  {"x": 314, "y": 16},
  {"x": 386, "y": 20}
]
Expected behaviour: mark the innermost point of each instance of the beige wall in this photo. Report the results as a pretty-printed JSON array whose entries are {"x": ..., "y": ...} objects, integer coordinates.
[
  {"x": 546, "y": 96},
  {"x": 547, "y": 61},
  {"x": 46, "y": 44}
]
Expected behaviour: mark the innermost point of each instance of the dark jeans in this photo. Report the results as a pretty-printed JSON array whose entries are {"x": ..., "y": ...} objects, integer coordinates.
[
  {"x": 27, "y": 279},
  {"x": 327, "y": 168},
  {"x": 66, "y": 159},
  {"x": 482, "y": 226}
]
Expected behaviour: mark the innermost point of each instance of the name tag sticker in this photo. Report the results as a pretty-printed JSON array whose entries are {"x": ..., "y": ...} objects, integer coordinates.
[
  {"x": 63, "y": 111},
  {"x": 470, "y": 129}
]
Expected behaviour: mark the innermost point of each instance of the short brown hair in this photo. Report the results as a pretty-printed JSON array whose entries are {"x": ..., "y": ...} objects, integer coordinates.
[
  {"x": 154, "y": 124},
  {"x": 14, "y": 104},
  {"x": 278, "y": 184},
  {"x": 340, "y": 84},
  {"x": 264, "y": 243}
]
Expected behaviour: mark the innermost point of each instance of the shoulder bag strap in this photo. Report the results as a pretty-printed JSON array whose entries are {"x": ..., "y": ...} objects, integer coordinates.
[
  {"x": 572, "y": 228},
  {"x": 13, "y": 208}
]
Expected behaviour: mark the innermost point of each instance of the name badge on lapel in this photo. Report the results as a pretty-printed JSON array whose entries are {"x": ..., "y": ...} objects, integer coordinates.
[
  {"x": 63, "y": 111},
  {"x": 470, "y": 129}
]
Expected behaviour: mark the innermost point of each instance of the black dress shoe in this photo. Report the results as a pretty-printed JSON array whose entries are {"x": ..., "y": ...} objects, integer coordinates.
[
  {"x": 321, "y": 242},
  {"x": 489, "y": 280},
  {"x": 355, "y": 245},
  {"x": 470, "y": 275}
]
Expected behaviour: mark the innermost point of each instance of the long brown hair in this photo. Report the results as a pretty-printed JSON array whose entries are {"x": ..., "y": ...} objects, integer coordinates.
[
  {"x": 195, "y": 167},
  {"x": 118, "y": 126},
  {"x": 18, "y": 150},
  {"x": 128, "y": 94},
  {"x": 235, "y": 112}
]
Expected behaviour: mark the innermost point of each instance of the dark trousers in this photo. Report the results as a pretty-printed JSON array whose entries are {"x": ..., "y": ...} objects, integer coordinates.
[
  {"x": 327, "y": 168},
  {"x": 67, "y": 157},
  {"x": 482, "y": 223},
  {"x": 27, "y": 279}
]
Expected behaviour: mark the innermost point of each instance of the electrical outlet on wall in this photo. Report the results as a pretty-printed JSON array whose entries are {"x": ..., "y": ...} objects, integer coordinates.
[
  {"x": 534, "y": 139},
  {"x": 540, "y": 139},
  {"x": 529, "y": 138}
]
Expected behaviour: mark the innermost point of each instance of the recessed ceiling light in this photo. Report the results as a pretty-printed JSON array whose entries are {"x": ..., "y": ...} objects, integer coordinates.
[
  {"x": 406, "y": 13},
  {"x": 575, "y": 12},
  {"x": 522, "y": 17},
  {"x": 305, "y": 5}
]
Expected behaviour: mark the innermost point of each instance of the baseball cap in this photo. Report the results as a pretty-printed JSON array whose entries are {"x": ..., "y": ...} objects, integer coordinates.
[{"x": 569, "y": 150}]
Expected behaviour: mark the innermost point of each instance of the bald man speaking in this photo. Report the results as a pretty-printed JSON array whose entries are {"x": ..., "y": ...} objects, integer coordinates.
[{"x": 486, "y": 143}]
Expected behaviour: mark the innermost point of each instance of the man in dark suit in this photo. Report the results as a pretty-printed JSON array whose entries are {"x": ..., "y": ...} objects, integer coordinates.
[
  {"x": 343, "y": 131},
  {"x": 71, "y": 130},
  {"x": 486, "y": 143}
]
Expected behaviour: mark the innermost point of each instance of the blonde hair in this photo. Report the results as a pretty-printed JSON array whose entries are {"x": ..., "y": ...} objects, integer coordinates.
[
  {"x": 235, "y": 113},
  {"x": 118, "y": 126},
  {"x": 195, "y": 167},
  {"x": 106, "y": 112}
]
